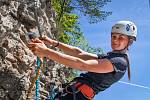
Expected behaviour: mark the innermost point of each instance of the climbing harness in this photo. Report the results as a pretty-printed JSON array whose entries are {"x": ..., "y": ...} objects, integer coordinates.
[
  {"x": 76, "y": 87},
  {"x": 87, "y": 91},
  {"x": 73, "y": 90}
]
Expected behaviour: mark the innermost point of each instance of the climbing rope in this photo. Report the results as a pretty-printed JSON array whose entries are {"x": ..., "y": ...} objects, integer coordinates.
[
  {"x": 39, "y": 62},
  {"x": 52, "y": 93},
  {"x": 38, "y": 80},
  {"x": 39, "y": 65}
]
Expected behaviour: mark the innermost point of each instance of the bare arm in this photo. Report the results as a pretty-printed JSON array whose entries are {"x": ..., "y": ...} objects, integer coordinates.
[
  {"x": 70, "y": 50},
  {"x": 95, "y": 65}
]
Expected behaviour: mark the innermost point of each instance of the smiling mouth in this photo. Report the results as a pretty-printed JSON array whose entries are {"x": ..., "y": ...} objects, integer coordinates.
[{"x": 114, "y": 44}]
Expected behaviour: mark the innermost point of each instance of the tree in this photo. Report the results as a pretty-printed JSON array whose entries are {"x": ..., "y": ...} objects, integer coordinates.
[
  {"x": 67, "y": 21},
  {"x": 67, "y": 18},
  {"x": 92, "y": 9},
  {"x": 17, "y": 63},
  {"x": 89, "y": 8}
]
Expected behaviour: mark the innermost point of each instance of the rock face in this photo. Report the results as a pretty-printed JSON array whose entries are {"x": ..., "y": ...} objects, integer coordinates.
[{"x": 17, "y": 63}]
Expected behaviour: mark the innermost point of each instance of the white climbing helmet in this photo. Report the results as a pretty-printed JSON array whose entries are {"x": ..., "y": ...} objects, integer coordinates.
[{"x": 125, "y": 27}]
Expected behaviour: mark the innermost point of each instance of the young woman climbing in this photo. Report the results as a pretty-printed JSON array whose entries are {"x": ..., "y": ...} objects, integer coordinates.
[{"x": 103, "y": 70}]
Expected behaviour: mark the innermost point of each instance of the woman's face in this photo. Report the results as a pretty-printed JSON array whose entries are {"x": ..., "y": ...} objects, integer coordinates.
[{"x": 119, "y": 41}]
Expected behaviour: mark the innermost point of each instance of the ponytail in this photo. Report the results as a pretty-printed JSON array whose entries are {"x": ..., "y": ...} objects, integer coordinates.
[{"x": 129, "y": 70}]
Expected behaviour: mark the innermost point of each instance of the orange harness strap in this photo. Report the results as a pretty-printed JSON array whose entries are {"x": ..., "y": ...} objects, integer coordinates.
[{"x": 87, "y": 91}]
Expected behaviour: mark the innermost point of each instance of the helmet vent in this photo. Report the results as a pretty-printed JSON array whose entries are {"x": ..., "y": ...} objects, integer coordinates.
[
  {"x": 133, "y": 28},
  {"x": 117, "y": 27}
]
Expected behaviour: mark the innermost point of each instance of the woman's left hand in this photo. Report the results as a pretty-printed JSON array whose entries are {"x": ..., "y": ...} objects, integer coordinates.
[{"x": 37, "y": 47}]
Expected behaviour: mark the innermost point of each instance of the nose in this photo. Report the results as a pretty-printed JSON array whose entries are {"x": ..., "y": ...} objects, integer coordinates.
[{"x": 115, "y": 38}]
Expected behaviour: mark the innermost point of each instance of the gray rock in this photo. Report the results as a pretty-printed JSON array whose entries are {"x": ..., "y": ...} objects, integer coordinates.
[{"x": 17, "y": 62}]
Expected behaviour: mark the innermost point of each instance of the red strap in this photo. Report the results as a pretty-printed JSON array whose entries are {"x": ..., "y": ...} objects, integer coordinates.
[{"x": 87, "y": 91}]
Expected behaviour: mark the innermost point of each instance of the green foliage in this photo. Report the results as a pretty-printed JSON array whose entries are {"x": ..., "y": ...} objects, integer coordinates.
[
  {"x": 67, "y": 22},
  {"x": 69, "y": 28},
  {"x": 89, "y": 8},
  {"x": 94, "y": 50},
  {"x": 92, "y": 9},
  {"x": 70, "y": 74}
]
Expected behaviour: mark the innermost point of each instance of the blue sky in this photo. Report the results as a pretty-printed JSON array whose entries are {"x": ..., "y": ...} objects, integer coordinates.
[{"x": 98, "y": 35}]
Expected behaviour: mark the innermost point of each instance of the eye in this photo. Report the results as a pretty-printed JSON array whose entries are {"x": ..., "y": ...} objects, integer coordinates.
[
  {"x": 121, "y": 37},
  {"x": 113, "y": 36}
]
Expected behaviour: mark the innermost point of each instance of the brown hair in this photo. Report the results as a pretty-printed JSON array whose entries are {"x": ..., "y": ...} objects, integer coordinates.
[{"x": 129, "y": 71}]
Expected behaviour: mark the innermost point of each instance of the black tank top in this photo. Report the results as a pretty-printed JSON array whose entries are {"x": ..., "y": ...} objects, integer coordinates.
[{"x": 101, "y": 81}]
